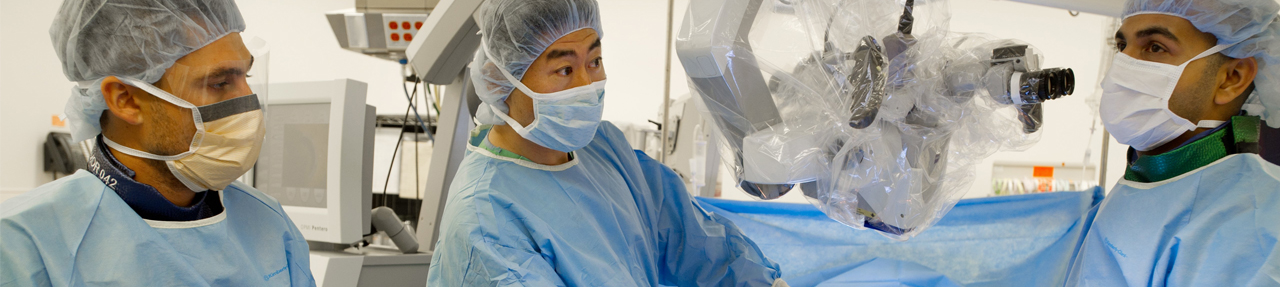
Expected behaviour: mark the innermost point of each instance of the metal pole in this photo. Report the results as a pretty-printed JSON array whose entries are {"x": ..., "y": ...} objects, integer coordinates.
[
  {"x": 1102, "y": 169},
  {"x": 666, "y": 87},
  {"x": 449, "y": 147}
]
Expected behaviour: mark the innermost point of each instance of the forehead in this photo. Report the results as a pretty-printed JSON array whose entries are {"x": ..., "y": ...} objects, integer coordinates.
[
  {"x": 583, "y": 38},
  {"x": 1180, "y": 27}
]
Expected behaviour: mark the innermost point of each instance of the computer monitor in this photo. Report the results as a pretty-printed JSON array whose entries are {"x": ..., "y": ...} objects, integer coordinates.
[{"x": 317, "y": 157}]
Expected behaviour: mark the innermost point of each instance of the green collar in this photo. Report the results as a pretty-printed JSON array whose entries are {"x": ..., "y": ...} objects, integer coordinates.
[
  {"x": 480, "y": 138},
  {"x": 1240, "y": 137},
  {"x": 501, "y": 152}
]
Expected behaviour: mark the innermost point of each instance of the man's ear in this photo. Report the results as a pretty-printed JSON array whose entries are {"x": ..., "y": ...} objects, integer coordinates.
[
  {"x": 122, "y": 101},
  {"x": 1239, "y": 76}
]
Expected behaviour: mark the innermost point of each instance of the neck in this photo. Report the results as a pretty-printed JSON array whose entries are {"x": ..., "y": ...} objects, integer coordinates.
[
  {"x": 504, "y": 137},
  {"x": 156, "y": 174}
]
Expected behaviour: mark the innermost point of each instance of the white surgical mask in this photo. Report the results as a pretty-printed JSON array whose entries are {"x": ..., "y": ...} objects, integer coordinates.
[
  {"x": 226, "y": 143},
  {"x": 1135, "y": 101},
  {"x": 565, "y": 121}
]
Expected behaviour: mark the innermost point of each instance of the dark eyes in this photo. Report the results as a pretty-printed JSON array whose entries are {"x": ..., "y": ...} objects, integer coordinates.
[
  {"x": 569, "y": 70},
  {"x": 1154, "y": 47},
  {"x": 225, "y": 82}
]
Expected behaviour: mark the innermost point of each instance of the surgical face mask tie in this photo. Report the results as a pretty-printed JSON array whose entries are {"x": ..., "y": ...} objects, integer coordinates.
[
  {"x": 564, "y": 121},
  {"x": 1135, "y": 101},
  {"x": 226, "y": 143}
]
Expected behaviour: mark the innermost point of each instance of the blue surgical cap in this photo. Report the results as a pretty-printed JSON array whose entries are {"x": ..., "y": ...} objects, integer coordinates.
[
  {"x": 516, "y": 32},
  {"x": 137, "y": 39},
  {"x": 1249, "y": 26}
]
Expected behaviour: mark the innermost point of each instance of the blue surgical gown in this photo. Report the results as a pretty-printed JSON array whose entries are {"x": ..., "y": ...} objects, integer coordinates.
[
  {"x": 1215, "y": 226},
  {"x": 77, "y": 232},
  {"x": 612, "y": 216}
]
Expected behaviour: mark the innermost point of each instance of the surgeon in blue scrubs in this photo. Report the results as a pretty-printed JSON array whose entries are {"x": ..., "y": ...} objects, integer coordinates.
[
  {"x": 1190, "y": 86},
  {"x": 162, "y": 85},
  {"x": 549, "y": 195}
]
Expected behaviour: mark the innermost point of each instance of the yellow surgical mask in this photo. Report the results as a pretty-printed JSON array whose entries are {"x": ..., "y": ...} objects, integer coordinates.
[{"x": 226, "y": 143}]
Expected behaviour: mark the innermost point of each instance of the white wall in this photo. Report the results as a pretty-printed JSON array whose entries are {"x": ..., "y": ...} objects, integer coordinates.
[
  {"x": 32, "y": 87},
  {"x": 32, "y": 90},
  {"x": 634, "y": 36}
]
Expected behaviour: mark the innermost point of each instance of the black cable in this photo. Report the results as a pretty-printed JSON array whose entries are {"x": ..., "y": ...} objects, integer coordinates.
[
  {"x": 415, "y": 108},
  {"x": 412, "y": 106},
  {"x": 431, "y": 99},
  {"x": 434, "y": 104},
  {"x": 399, "y": 141},
  {"x": 413, "y": 98},
  {"x": 386, "y": 183}
]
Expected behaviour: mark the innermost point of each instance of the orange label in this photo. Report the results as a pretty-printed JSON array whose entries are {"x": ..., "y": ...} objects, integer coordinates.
[
  {"x": 57, "y": 122},
  {"x": 1043, "y": 171}
]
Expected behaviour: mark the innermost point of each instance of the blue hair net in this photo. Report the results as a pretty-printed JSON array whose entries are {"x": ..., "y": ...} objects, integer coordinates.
[
  {"x": 516, "y": 32},
  {"x": 1250, "y": 26},
  {"x": 138, "y": 39}
]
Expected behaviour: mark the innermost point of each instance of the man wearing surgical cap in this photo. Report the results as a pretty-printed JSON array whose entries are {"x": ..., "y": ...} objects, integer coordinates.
[
  {"x": 162, "y": 86},
  {"x": 1192, "y": 85},
  {"x": 549, "y": 195}
]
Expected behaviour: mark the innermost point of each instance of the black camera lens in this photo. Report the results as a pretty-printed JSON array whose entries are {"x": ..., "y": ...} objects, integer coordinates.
[{"x": 1043, "y": 85}]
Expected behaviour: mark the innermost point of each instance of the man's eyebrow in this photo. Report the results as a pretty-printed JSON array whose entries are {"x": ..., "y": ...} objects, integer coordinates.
[
  {"x": 227, "y": 71},
  {"x": 1157, "y": 30},
  {"x": 221, "y": 72},
  {"x": 1119, "y": 36},
  {"x": 554, "y": 54},
  {"x": 595, "y": 45}
]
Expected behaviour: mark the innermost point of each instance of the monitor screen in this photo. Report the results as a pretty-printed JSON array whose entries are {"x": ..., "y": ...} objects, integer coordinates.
[
  {"x": 316, "y": 158},
  {"x": 295, "y": 167}
]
